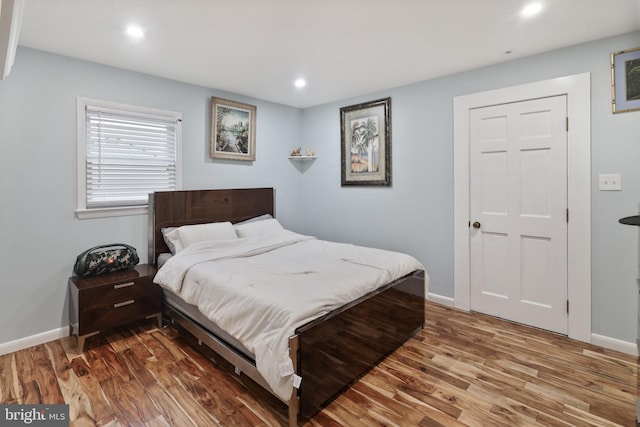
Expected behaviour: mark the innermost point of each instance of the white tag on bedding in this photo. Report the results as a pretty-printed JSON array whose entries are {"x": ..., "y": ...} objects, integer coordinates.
[
  {"x": 286, "y": 368},
  {"x": 296, "y": 381}
]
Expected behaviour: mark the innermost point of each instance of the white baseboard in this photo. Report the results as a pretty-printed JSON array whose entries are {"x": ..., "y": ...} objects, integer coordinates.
[
  {"x": 54, "y": 334},
  {"x": 615, "y": 344},
  {"x": 26, "y": 342},
  {"x": 599, "y": 340},
  {"x": 439, "y": 299}
]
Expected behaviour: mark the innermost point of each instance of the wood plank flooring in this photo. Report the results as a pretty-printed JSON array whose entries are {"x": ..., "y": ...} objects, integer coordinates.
[{"x": 462, "y": 369}]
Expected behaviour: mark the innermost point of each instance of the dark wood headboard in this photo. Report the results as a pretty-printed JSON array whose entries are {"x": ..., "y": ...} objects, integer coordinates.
[{"x": 176, "y": 208}]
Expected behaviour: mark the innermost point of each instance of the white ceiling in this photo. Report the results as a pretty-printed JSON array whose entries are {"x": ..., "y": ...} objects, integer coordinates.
[{"x": 344, "y": 48}]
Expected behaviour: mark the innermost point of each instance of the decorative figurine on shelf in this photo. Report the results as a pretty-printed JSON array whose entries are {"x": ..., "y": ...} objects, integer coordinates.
[
  {"x": 309, "y": 152},
  {"x": 296, "y": 152}
]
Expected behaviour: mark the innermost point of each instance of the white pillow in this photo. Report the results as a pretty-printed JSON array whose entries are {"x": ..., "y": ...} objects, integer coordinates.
[
  {"x": 257, "y": 228},
  {"x": 165, "y": 231},
  {"x": 255, "y": 218},
  {"x": 172, "y": 239},
  {"x": 189, "y": 234}
]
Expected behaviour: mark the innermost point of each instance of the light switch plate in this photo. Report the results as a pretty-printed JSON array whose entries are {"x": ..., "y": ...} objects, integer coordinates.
[{"x": 610, "y": 182}]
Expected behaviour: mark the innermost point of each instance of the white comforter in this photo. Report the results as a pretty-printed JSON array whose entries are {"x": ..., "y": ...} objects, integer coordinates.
[{"x": 260, "y": 289}]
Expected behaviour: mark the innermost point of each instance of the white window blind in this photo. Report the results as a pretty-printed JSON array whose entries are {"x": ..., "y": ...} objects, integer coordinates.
[{"x": 127, "y": 155}]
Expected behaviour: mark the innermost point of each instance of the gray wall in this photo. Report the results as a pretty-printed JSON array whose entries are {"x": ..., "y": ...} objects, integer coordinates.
[
  {"x": 416, "y": 214},
  {"x": 41, "y": 236}
]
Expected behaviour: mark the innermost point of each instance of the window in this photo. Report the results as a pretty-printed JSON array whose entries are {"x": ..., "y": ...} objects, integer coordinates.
[{"x": 124, "y": 153}]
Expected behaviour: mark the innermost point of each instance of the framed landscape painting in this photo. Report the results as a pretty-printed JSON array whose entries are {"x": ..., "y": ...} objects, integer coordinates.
[
  {"x": 625, "y": 80},
  {"x": 365, "y": 132},
  {"x": 233, "y": 130}
]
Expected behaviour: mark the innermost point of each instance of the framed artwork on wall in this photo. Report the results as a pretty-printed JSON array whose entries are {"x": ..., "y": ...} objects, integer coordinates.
[
  {"x": 625, "y": 80},
  {"x": 365, "y": 133},
  {"x": 233, "y": 130}
]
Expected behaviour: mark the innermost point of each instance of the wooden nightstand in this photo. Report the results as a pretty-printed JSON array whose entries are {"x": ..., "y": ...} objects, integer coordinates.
[{"x": 101, "y": 302}]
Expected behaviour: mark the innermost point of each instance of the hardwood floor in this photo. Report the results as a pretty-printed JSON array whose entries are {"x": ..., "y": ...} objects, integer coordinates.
[{"x": 461, "y": 369}]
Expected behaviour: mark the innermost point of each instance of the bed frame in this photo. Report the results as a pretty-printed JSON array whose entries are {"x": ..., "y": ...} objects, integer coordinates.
[{"x": 329, "y": 353}]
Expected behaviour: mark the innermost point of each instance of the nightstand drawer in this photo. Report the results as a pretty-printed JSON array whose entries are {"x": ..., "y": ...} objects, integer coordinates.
[
  {"x": 117, "y": 313},
  {"x": 107, "y": 295}
]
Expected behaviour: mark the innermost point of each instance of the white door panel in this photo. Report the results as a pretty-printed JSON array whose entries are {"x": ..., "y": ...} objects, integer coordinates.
[{"x": 518, "y": 197}]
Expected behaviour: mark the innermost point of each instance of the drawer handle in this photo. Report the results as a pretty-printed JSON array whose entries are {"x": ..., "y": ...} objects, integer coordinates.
[
  {"x": 122, "y": 304},
  {"x": 123, "y": 285}
]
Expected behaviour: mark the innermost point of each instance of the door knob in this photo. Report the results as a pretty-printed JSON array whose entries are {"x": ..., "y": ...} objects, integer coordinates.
[{"x": 476, "y": 224}]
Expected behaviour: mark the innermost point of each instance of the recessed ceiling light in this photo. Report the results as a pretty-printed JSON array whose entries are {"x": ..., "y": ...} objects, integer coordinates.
[
  {"x": 300, "y": 83},
  {"x": 531, "y": 9},
  {"x": 135, "y": 31}
]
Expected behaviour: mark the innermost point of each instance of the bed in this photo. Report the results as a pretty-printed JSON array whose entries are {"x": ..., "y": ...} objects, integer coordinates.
[{"x": 327, "y": 352}]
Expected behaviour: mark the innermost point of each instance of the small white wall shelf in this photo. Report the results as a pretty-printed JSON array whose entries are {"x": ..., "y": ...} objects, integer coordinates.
[{"x": 302, "y": 157}]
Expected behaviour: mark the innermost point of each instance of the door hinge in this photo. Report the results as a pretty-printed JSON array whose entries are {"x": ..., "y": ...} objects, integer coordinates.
[
  {"x": 567, "y": 124},
  {"x": 567, "y": 215},
  {"x": 567, "y": 306}
]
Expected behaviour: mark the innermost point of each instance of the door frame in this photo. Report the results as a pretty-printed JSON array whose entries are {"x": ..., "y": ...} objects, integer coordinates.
[{"x": 577, "y": 88}]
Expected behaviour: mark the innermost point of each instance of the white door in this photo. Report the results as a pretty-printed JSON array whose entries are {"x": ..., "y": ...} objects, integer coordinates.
[{"x": 518, "y": 212}]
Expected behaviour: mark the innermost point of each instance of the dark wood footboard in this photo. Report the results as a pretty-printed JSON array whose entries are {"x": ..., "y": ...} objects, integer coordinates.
[{"x": 337, "y": 349}]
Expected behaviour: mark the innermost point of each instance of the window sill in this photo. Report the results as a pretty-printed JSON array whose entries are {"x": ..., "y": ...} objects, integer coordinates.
[{"x": 111, "y": 212}]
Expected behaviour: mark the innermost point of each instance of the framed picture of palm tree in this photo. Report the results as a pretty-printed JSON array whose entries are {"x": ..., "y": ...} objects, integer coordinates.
[
  {"x": 625, "y": 80},
  {"x": 365, "y": 133}
]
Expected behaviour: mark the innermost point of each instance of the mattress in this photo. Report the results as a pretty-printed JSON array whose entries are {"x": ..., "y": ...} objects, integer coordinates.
[{"x": 162, "y": 258}]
